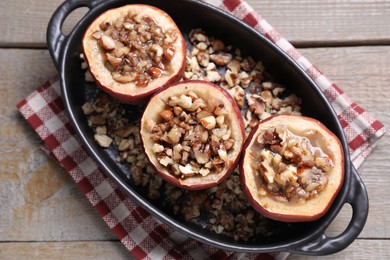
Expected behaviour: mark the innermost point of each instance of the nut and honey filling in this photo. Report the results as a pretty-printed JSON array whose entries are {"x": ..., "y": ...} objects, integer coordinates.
[
  {"x": 191, "y": 139},
  {"x": 290, "y": 166},
  {"x": 136, "y": 49}
]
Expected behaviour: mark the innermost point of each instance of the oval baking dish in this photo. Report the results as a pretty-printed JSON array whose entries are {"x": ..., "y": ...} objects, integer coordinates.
[{"x": 304, "y": 237}]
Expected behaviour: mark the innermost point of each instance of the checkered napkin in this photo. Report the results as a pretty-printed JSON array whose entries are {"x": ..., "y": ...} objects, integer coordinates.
[{"x": 143, "y": 235}]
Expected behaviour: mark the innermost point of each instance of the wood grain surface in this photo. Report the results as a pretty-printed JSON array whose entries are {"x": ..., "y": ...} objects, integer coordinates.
[{"x": 42, "y": 212}]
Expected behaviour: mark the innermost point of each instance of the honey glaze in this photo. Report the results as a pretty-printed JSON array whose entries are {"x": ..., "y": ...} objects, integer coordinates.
[{"x": 291, "y": 165}]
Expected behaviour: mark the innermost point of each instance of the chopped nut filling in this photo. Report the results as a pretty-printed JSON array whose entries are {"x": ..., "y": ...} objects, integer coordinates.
[
  {"x": 243, "y": 77},
  {"x": 191, "y": 139},
  {"x": 136, "y": 49},
  {"x": 290, "y": 167}
]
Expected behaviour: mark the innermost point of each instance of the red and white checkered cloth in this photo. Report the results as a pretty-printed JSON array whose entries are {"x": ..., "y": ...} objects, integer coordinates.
[{"x": 143, "y": 235}]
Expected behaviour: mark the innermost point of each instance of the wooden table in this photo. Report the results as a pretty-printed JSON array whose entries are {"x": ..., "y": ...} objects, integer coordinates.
[{"x": 42, "y": 212}]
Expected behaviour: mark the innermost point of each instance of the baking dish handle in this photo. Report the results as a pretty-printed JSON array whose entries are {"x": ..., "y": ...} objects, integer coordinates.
[
  {"x": 357, "y": 197},
  {"x": 54, "y": 36}
]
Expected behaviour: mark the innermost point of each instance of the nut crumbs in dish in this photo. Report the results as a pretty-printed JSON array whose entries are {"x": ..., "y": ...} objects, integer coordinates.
[{"x": 224, "y": 209}]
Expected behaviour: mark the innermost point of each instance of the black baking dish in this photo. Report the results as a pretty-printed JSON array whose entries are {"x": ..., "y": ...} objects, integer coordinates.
[{"x": 303, "y": 238}]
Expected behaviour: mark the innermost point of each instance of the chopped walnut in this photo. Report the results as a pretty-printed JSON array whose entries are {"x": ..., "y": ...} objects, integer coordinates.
[
  {"x": 292, "y": 169},
  {"x": 256, "y": 104},
  {"x": 190, "y": 138},
  {"x": 244, "y": 77},
  {"x": 203, "y": 58},
  {"x": 103, "y": 140},
  {"x": 213, "y": 76},
  {"x": 217, "y": 45},
  {"x": 221, "y": 58}
]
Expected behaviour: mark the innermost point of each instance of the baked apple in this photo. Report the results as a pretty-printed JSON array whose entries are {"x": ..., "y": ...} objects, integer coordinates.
[
  {"x": 133, "y": 50},
  {"x": 192, "y": 133},
  {"x": 292, "y": 168}
]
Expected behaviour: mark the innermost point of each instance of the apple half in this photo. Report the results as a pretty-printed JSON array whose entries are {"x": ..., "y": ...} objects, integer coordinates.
[
  {"x": 192, "y": 133},
  {"x": 292, "y": 168},
  {"x": 133, "y": 50}
]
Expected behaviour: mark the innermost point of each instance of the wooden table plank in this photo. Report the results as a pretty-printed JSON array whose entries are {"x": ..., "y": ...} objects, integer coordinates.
[
  {"x": 362, "y": 249},
  {"x": 304, "y": 22},
  {"x": 38, "y": 200},
  {"x": 328, "y": 22},
  {"x": 65, "y": 250}
]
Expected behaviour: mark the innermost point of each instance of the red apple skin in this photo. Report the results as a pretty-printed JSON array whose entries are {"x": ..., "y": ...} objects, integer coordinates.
[
  {"x": 197, "y": 183},
  {"x": 128, "y": 97},
  {"x": 281, "y": 216}
]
